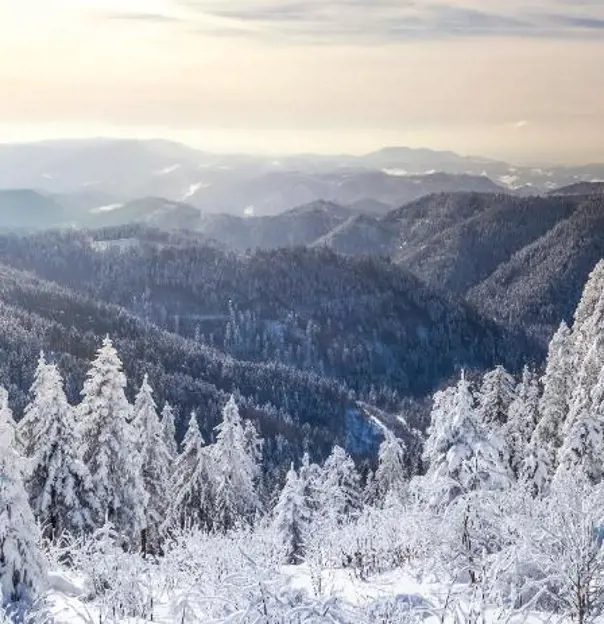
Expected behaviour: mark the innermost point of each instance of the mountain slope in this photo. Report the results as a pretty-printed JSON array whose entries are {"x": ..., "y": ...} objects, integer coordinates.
[
  {"x": 296, "y": 227},
  {"x": 580, "y": 188},
  {"x": 26, "y": 209},
  {"x": 154, "y": 211},
  {"x": 520, "y": 261},
  {"x": 541, "y": 284},
  {"x": 292, "y": 408},
  {"x": 365, "y": 322},
  {"x": 360, "y": 235},
  {"x": 469, "y": 250}
]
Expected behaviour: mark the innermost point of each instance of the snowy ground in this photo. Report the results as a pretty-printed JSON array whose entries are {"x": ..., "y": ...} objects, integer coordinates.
[{"x": 69, "y": 605}]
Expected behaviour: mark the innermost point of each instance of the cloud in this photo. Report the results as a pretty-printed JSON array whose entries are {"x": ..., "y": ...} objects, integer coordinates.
[
  {"x": 575, "y": 22},
  {"x": 399, "y": 20},
  {"x": 521, "y": 124},
  {"x": 158, "y": 18}
]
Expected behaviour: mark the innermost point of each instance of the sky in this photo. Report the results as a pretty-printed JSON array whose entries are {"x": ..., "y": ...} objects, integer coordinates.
[{"x": 516, "y": 79}]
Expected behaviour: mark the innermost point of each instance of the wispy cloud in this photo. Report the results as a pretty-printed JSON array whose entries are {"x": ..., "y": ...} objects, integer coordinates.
[
  {"x": 399, "y": 20},
  {"x": 159, "y": 18}
]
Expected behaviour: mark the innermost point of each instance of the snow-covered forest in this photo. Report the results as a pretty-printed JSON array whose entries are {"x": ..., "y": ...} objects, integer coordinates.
[{"x": 106, "y": 517}]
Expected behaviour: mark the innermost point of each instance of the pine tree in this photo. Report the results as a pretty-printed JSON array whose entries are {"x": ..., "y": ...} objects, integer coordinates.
[
  {"x": 233, "y": 470},
  {"x": 29, "y": 428},
  {"x": 110, "y": 450},
  {"x": 252, "y": 444},
  {"x": 169, "y": 430},
  {"x": 583, "y": 446},
  {"x": 588, "y": 318},
  {"x": 441, "y": 434},
  {"x": 191, "y": 483},
  {"x": 290, "y": 518},
  {"x": 155, "y": 459},
  {"x": 592, "y": 291},
  {"x": 495, "y": 397},
  {"x": 547, "y": 438},
  {"x": 7, "y": 419},
  {"x": 391, "y": 474},
  {"x": 58, "y": 483},
  {"x": 463, "y": 455},
  {"x": 310, "y": 477},
  {"x": 523, "y": 418},
  {"x": 339, "y": 488},
  {"x": 22, "y": 565}
]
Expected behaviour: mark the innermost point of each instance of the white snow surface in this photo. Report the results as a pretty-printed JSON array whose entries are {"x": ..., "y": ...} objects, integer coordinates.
[
  {"x": 193, "y": 188},
  {"x": 67, "y": 597},
  {"x": 106, "y": 208},
  {"x": 169, "y": 169}
]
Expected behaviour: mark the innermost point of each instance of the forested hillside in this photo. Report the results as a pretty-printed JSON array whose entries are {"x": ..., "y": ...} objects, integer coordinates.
[
  {"x": 364, "y": 321},
  {"x": 520, "y": 261}
]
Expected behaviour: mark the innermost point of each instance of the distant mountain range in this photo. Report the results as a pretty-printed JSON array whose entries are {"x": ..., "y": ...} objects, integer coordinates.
[{"x": 101, "y": 175}]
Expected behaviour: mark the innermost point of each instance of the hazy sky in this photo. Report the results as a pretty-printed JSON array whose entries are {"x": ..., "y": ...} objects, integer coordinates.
[{"x": 519, "y": 79}]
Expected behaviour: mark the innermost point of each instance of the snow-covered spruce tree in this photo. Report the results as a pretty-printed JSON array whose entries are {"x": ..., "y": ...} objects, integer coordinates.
[
  {"x": 6, "y": 417},
  {"x": 391, "y": 474},
  {"x": 592, "y": 291},
  {"x": 22, "y": 565},
  {"x": 522, "y": 420},
  {"x": 309, "y": 475},
  {"x": 440, "y": 431},
  {"x": 541, "y": 460},
  {"x": 109, "y": 445},
  {"x": 465, "y": 456},
  {"x": 339, "y": 490},
  {"x": 253, "y": 444},
  {"x": 58, "y": 484},
  {"x": 495, "y": 397},
  {"x": 191, "y": 486},
  {"x": 28, "y": 429},
  {"x": 155, "y": 462},
  {"x": 169, "y": 430},
  {"x": 588, "y": 318},
  {"x": 234, "y": 470},
  {"x": 291, "y": 517},
  {"x": 582, "y": 450}
]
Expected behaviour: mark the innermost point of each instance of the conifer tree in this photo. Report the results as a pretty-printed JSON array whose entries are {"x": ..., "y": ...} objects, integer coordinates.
[
  {"x": 440, "y": 431},
  {"x": 391, "y": 474},
  {"x": 310, "y": 477},
  {"x": 495, "y": 397},
  {"x": 191, "y": 483},
  {"x": 22, "y": 565},
  {"x": 234, "y": 470},
  {"x": 522, "y": 421},
  {"x": 339, "y": 488},
  {"x": 582, "y": 449},
  {"x": 110, "y": 450},
  {"x": 155, "y": 461},
  {"x": 58, "y": 483},
  {"x": 29, "y": 429},
  {"x": 252, "y": 444},
  {"x": 542, "y": 458},
  {"x": 463, "y": 455},
  {"x": 169, "y": 430},
  {"x": 290, "y": 518},
  {"x": 589, "y": 314},
  {"x": 6, "y": 417},
  {"x": 592, "y": 291}
]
